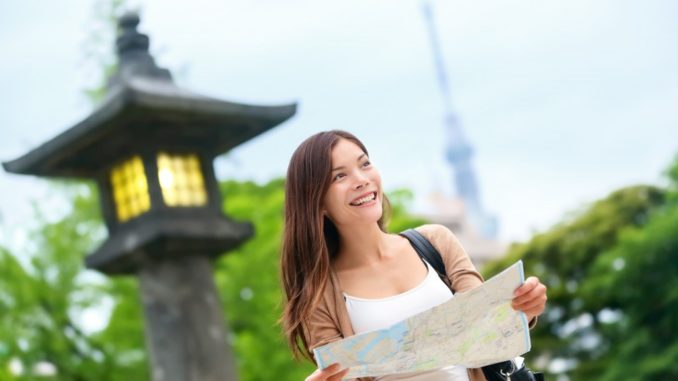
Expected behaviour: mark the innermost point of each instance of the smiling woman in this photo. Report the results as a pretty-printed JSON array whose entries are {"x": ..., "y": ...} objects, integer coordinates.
[{"x": 344, "y": 274}]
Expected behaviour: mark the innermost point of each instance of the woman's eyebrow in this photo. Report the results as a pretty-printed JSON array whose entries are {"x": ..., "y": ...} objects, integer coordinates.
[{"x": 342, "y": 167}]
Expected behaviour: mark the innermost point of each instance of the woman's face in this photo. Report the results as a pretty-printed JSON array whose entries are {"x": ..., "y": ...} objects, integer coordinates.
[{"x": 354, "y": 195}]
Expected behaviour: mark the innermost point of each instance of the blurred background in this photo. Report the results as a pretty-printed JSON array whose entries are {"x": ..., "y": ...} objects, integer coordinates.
[{"x": 570, "y": 110}]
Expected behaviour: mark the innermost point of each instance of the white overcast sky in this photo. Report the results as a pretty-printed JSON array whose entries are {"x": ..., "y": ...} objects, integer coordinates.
[{"x": 563, "y": 101}]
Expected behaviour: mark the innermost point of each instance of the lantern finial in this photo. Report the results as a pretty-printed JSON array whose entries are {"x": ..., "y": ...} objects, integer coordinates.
[
  {"x": 134, "y": 59},
  {"x": 130, "y": 40}
]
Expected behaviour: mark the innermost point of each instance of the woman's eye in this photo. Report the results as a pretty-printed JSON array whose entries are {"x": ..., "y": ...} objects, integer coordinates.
[
  {"x": 338, "y": 176},
  {"x": 366, "y": 164}
]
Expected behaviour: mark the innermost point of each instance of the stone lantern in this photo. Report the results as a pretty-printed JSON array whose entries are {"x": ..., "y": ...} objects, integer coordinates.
[{"x": 150, "y": 146}]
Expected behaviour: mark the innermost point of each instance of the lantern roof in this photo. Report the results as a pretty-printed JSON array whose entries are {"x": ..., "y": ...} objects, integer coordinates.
[{"x": 143, "y": 109}]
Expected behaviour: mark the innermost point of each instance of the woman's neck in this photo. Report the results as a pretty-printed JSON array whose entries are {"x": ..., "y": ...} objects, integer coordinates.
[{"x": 362, "y": 245}]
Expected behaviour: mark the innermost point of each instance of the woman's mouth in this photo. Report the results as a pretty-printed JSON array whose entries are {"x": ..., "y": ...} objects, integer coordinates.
[{"x": 364, "y": 199}]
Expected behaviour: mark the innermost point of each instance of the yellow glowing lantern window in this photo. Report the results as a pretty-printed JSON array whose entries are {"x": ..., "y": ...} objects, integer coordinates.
[
  {"x": 130, "y": 189},
  {"x": 181, "y": 180}
]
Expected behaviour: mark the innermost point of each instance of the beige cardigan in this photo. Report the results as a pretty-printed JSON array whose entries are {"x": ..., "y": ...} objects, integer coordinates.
[{"x": 330, "y": 321}]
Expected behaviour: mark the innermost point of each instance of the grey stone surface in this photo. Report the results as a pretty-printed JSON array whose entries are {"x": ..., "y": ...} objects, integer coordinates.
[{"x": 185, "y": 326}]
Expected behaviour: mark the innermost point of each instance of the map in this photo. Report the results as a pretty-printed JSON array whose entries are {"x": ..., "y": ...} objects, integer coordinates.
[{"x": 473, "y": 329}]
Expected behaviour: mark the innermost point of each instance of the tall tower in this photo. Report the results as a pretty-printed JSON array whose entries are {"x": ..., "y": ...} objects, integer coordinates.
[{"x": 458, "y": 151}]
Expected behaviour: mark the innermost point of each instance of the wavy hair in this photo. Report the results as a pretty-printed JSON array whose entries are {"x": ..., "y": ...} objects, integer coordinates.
[{"x": 310, "y": 240}]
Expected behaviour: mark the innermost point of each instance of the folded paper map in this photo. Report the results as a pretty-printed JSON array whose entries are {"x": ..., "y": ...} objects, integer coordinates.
[{"x": 474, "y": 328}]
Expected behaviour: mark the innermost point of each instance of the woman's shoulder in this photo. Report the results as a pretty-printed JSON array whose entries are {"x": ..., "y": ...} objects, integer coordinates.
[
  {"x": 443, "y": 239},
  {"x": 436, "y": 232},
  {"x": 458, "y": 265}
]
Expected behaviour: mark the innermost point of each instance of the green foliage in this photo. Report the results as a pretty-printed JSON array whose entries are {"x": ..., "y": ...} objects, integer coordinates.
[
  {"x": 672, "y": 174},
  {"x": 610, "y": 270},
  {"x": 639, "y": 279},
  {"x": 44, "y": 294},
  {"x": 123, "y": 336},
  {"x": 248, "y": 282},
  {"x": 400, "y": 219}
]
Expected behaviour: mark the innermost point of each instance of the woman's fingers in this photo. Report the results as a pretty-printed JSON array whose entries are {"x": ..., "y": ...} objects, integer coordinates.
[
  {"x": 535, "y": 305},
  {"x": 333, "y": 372},
  {"x": 526, "y": 287},
  {"x": 339, "y": 376},
  {"x": 535, "y": 297},
  {"x": 530, "y": 298}
]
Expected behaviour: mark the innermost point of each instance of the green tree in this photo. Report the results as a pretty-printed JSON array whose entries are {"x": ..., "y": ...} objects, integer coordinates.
[
  {"x": 44, "y": 294},
  {"x": 610, "y": 269},
  {"x": 639, "y": 280}
]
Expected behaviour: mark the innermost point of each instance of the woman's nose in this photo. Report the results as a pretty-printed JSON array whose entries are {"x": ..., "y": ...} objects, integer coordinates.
[{"x": 361, "y": 182}]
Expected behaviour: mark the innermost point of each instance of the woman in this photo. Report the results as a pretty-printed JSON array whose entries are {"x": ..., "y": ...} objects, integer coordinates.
[{"x": 339, "y": 265}]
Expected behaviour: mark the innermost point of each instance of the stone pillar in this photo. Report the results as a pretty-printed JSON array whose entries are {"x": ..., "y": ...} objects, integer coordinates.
[{"x": 184, "y": 323}]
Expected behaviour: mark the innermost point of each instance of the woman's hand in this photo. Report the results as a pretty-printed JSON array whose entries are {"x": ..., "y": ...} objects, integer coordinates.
[
  {"x": 331, "y": 373},
  {"x": 530, "y": 298}
]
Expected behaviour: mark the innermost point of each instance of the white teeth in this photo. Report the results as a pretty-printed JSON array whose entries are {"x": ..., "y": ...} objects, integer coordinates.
[{"x": 363, "y": 200}]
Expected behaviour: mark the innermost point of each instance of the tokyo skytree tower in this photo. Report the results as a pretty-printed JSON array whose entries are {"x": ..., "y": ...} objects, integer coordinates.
[{"x": 458, "y": 151}]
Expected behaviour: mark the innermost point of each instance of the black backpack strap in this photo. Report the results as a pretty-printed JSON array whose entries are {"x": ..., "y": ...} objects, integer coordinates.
[{"x": 427, "y": 251}]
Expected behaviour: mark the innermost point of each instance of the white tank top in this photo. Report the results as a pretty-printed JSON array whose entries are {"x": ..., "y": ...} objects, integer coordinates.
[{"x": 372, "y": 314}]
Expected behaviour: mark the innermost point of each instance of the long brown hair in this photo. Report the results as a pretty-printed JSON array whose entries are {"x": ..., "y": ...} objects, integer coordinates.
[{"x": 310, "y": 240}]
